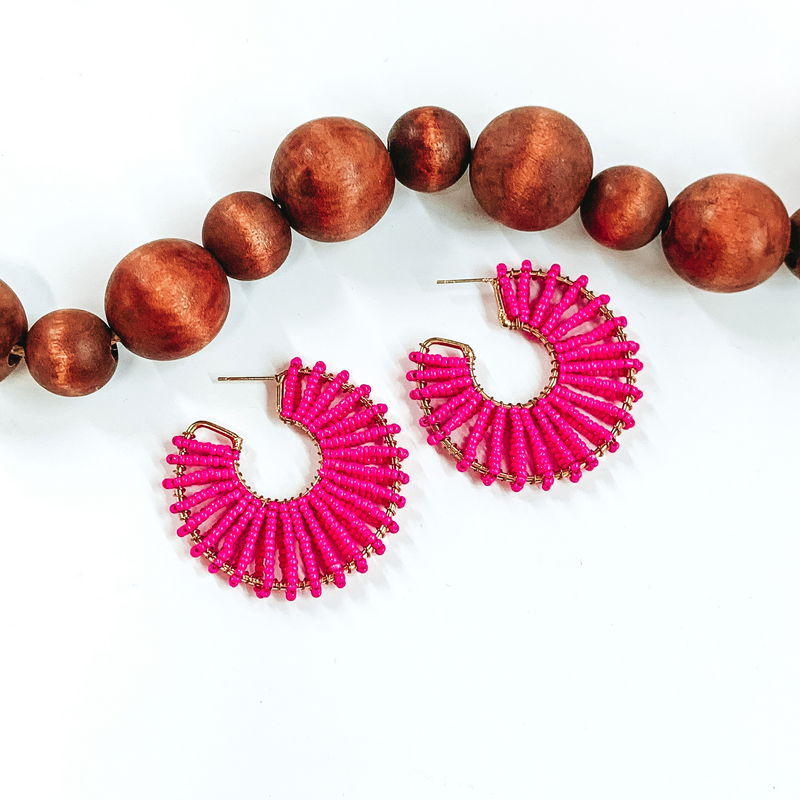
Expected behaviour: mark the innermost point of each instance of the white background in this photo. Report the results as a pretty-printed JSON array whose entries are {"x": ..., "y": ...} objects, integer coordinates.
[{"x": 634, "y": 636}]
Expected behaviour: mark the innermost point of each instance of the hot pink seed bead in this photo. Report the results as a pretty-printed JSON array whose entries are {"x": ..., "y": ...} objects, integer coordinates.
[
  {"x": 448, "y": 408},
  {"x": 611, "y": 390},
  {"x": 342, "y": 408},
  {"x": 609, "y": 367},
  {"x": 310, "y": 392},
  {"x": 204, "y": 494},
  {"x": 286, "y": 552},
  {"x": 366, "y": 508},
  {"x": 476, "y": 435},
  {"x": 383, "y": 475},
  {"x": 573, "y": 442},
  {"x": 462, "y": 415},
  {"x": 326, "y": 396},
  {"x": 524, "y": 292},
  {"x": 359, "y": 437},
  {"x": 205, "y": 448},
  {"x": 545, "y": 298},
  {"x": 354, "y": 422},
  {"x": 245, "y": 558},
  {"x": 507, "y": 292},
  {"x": 341, "y": 538},
  {"x": 589, "y": 311},
  {"x": 437, "y": 373},
  {"x": 218, "y": 530},
  {"x": 608, "y": 328},
  {"x": 232, "y": 535},
  {"x": 599, "y": 351},
  {"x": 190, "y": 460},
  {"x": 333, "y": 565},
  {"x": 265, "y": 554},
  {"x": 364, "y": 488},
  {"x": 195, "y": 520},
  {"x": 377, "y": 454},
  {"x": 198, "y": 477},
  {"x": 496, "y": 448},
  {"x": 310, "y": 567},
  {"x": 436, "y": 360},
  {"x": 593, "y": 431},
  {"x": 356, "y": 531},
  {"x": 290, "y": 384},
  {"x": 357, "y": 528},
  {"x": 542, "y": 461},
  {"x": 559, "y": 450},
  {"x": 222, "y": 526},
  {"x": 606, "y": 412},
  {"x": 566, "y": 301},
  {"x": 519, "y": 458},
  {"x": 441, "y": 389}
]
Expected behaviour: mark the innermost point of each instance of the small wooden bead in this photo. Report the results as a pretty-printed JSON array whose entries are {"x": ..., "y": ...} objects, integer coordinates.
[
  {"x": 332, "y": 178},
  {"x": 13, "y": 327},
  {"x": 247, "y": 234},
  {"x": 793, "y": 255},
  {"x": 69, "y": 352},
  {"x": 624, "y": 207},
  {"x": 726, "y": 233},
  {"x": 429, "y": 148},
  {"x": 167, "y": 299},
  {"x": 530, "y": 168}
]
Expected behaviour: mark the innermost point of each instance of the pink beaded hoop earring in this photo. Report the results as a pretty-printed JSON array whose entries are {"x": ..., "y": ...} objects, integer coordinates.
[
  {"x": 316, "y": 537},
  {"x": 566, "y": 428}
]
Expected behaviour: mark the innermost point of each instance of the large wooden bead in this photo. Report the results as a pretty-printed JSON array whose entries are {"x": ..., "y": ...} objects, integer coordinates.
[
  {"x": 247, "y": 234},
  {"x": 429, "y": 148},
  {"x": 13, "y": 327},
  {"x": 793, "y": 256},
  {"x": 530, "y": 168},
  {"x": 167, "y": 299},
  {"x": 332, "y": 178},
  {"x": 726, "y": 233},
  {"x": 624, "y": 207},
  {"x": 70, "y": 352}
]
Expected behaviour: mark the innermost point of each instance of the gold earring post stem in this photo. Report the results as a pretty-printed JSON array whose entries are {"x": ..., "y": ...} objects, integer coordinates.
[
  {"x": 467, "y": 280},
  {"x": 265, "y": 378}
]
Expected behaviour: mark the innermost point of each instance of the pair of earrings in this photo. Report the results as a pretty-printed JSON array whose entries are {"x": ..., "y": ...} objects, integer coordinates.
[{"x": 330, "y": 529}]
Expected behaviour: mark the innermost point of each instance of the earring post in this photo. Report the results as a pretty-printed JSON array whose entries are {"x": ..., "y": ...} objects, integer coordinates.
[
  {"x": 264, "y": 378},
  {"x": 467, "y": 280}
]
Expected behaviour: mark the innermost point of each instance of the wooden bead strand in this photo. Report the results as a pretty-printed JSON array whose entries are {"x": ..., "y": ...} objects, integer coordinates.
[{"x": 333, "y": 179}]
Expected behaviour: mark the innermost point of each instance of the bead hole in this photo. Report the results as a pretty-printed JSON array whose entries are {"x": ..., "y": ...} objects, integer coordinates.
[{"x": 15, "y": 355}]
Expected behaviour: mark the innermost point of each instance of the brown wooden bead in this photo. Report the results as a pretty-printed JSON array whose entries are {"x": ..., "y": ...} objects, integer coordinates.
[
  {"x": 429, "y": 148},
  {"x": 332, "y": 178},
  {"x": 247, "y": 234},
  {"x": 624, "y": 207},
  {"x": 13, "y": 327},
  {"x": 530, "y": 168},
  {"x": 726, "y": 233},
  {"x": 793, "y": 255},
  {"x": 167, "y": 299},
  {"x": 70, "y": 353}
]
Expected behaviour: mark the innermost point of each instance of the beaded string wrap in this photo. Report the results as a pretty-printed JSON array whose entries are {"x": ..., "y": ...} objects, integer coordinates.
[
  {"x": 576, "y": 417},
  {"x": 323, "y": 533}
]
